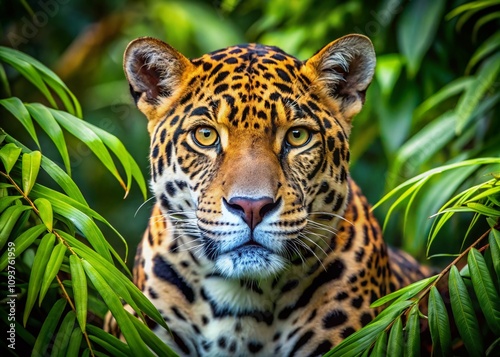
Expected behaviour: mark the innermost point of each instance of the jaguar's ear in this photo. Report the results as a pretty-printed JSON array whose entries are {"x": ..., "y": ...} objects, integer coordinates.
[
  {"x": 344, "y": 69},
  {"x": 154, "y": 71}
]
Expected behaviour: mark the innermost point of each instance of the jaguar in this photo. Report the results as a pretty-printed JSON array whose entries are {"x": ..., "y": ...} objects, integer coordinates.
[{"x": 260, "y": 243}]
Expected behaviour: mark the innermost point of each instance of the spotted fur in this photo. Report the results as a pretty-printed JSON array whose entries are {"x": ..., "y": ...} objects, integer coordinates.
[{"x": 257, "y": 245}]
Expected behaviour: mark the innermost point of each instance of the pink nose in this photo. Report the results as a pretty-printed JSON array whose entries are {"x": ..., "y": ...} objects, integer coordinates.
[{"x": 250, "y": 209}]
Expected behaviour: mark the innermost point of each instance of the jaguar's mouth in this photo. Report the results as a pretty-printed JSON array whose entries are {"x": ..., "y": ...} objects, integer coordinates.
[{"x": 250, "y": 260}]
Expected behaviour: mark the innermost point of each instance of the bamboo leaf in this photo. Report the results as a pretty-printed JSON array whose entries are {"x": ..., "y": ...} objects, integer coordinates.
[
  {"x": 494, "y": 240},
  {"x": 49, "y": 327},
  {"x": 86, "y": 225},
  {"x": 80, "y": 292},
  {"x": 22, "y": 242},
  {"x": 6, "y": 201},
  {"x": 129, "y": 164},
  {"x": 134, "y": 296},
  {"x": 362, "y": 339},
  {"x": 463, "y": 312},
  {"x": 484, "y": 210},
  {"x": 473, "y": 95},
  {"x": 40, "y": 262},
  {"x": 153, "y": 341},
  {"x": 45, "y": 119},
  {"x": 486, "y": 293},
  {"x": 57, "y": 174},
  {"x": 19, "y": 111},
  {"x": 413, "y": 333},
  {"x": 439, "y": 324},
  {"x": 108, "y": 347},
  {"x": 8, "y": 220},
  {"x": 48, "y": 76},
  {"x": 80, "y": 130},
  {"x": 451, "y": 89},
  {"x": 396, "y": 339},
  {"x": 380, "y": 348},
  {"x": 75, "y": 342},
  {"x": 109, "y": 339},
  {"x": 405, "y": 293},
  {"x": 416, "y": 30},
  {"x": 28, "y": 71},
  {"x": 488, "y": 46},
  {"x": 9, "y": 154},
  {"x": 52, "y": 269},
  {"x": 45, "y": 212},
  {"x": 55, "y": 196},
  {"x": 112, "y": 300},
  {"x": 4, "y": 81},
  {"x": 30, "y": 167},
  {"x": 63, "y": 336}
]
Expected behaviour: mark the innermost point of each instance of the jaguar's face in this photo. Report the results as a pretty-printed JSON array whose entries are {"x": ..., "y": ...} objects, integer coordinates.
[{"x": 249, "y": 148}]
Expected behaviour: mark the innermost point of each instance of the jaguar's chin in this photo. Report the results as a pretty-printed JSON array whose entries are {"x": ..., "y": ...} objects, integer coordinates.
[{"x": 251, "y": 262}]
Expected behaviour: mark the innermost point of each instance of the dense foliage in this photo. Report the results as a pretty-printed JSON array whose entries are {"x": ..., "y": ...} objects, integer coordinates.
[{"x": 430, "y": 127}]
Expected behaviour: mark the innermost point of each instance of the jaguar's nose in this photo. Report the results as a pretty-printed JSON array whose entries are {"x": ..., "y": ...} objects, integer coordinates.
[{"x": 252, "y": 210}]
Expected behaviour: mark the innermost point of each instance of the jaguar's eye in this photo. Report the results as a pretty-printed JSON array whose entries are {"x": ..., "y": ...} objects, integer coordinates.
[
  {"x": 298, "y": 136},
  {"x": 205, "y": 136}
]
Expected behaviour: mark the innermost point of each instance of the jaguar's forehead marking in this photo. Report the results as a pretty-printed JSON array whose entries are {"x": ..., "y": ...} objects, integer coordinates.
[{"x": 255, "y": 84}]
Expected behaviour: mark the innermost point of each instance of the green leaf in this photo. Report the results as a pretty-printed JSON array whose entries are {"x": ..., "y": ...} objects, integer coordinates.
[
  {"x": 364, "y": 338},
  {"x": 129, "y": 164},
  {"x": 416, "y": 30},
  {"x": 28, "y": 71},
  {"x": 81, "y": 130},
  {"x": 6, "y": 201},
  {"x": 63, "y": 180},
  {"x": 8, "y": 219},
  {"x": 30, "y": 166},
  {"x": 494, "y": 240},
  {"x": 49, "y": 327},
  {"x": 473, "y": 95},
  {"x": 112, "y": 300},
  {"x": 40, "y": 262},
  {"x": 44, "y": 118},
  {"x": 16, "y": 107},
  {"x": 48, "y": 76},
  {"x": 113, "y": 351},
  {"x": 52, "y": 269},
  {"x": 448, "y": 91},
  {"x": 380, "y": 348},
  {"x": 63, "y": 336},
  {"x": 485, "y": 290},
  {"x": 80, "y": 292},
  {"x": 396, "y": 339},
  {"x": 484, "y": 210},
  {"x": 22, "y": 242},
  {"x": 405, "y": 293},
  {"x": 109, "y": 339},
  {"x": 75, "y": 342},
  {"x": 463, "y": 312},
  {"x": 482, "y": 21},
  {"x": 86, "y": 225},
  {"x": 153, "y": 341},
  {"x": 439, "y": 324},
  {"x": 45, "y": 212},
  {"x": 9, "y": 154},
  {"x": 488, "y": 46},
  {"x": 57, "y": 197},
  {"x": 134, "y": 296},
  {"x": 413, "y": 333},
  {"x": 423, "y": 145},
  {"x": 4, "y": 81}
]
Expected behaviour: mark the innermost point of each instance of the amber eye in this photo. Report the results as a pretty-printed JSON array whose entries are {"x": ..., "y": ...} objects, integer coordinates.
[
  {"x": 297, "y": 136},
  {"x": 205, "y": 136}
]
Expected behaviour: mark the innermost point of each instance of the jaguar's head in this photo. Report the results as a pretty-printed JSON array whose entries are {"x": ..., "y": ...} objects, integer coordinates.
[{"x": 249, "y": 150}]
